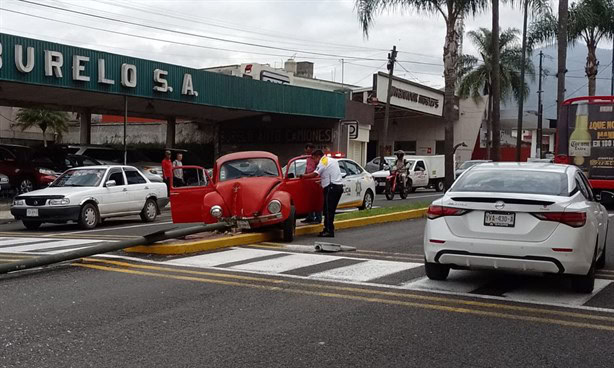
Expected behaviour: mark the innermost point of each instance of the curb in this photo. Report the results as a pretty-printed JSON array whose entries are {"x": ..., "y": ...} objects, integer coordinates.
[{"x": 244, "y": 239}]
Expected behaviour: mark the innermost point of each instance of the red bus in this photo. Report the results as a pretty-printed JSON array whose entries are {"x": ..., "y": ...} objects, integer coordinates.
[{"x": 585, "y": 138}]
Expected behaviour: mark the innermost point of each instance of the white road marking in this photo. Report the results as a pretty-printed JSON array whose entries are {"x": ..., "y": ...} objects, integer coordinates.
[
  {"x": 116, "y": 228},
  {"x": 381, "y": 286},
  {"x": 365, "y": 271},
  {"x": 15, "y": 241},
  {"x": 218, "y": 258},
  {"x": 458, "y": 281},
  {"x": 287, "y": 263},
  {"x": 47, "y": 245},
  {"x": 544, "y": 294}
]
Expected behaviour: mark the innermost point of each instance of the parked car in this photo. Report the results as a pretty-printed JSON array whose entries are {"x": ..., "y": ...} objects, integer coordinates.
[
  {"x": 373, "y": 165},
  {"x": 24, "y": 174},
  {"x": 358, "y": 185},
  {"x": 247, "y": 189},
  {"x": 519, "y": 216},
  {"x": 4, "y": 183},
  {"x": 111, "y": 156},
  {"x": 60, "y": 160},
  {"x": 86, "y": 195},
  {"x": 467, "y": 164}
]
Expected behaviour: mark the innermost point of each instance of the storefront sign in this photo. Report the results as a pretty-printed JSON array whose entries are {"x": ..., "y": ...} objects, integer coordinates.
[
  {"x": 276, "y": 136},
  {"x": 34, "y": 62},
  {"x": 409, "y": 95}
]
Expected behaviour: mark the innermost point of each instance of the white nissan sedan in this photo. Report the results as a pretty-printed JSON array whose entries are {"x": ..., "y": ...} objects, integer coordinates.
[
  {"x": 519, "y": 216},
  {"x": 87, "y": 195}
]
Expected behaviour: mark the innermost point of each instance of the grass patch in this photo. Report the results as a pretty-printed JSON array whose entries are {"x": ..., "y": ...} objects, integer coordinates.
[{"x": 382, "y": 210}]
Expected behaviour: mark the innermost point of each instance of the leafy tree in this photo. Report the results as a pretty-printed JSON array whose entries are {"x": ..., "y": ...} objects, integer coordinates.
[
  {"x": 451, "y": 11},
  {"x": 44, "y": 119},
  {"x": 589, "y": 21},
  {"x": 477, "y": 75}
]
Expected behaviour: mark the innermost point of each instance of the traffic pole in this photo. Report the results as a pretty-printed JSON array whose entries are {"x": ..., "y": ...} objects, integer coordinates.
[{"x": 107, "y": 247}]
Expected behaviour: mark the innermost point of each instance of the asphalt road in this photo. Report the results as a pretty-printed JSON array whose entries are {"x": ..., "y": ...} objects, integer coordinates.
[{"x": 280, "y": 305}]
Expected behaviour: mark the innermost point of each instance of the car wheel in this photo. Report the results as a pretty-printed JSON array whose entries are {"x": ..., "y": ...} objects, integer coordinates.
[
  {"x": 436, "y": 271},
  {"x": 89, "y": 216},
  {"x": 584, "y": 283},
  {"x": 440, "y": 186},
  {"x": 367, "y": 202},
  {"x": 32, "y": 225},
  {"x": 150, "y": 211},
  {"x": 25, "y": 185},
  {"x": 290, "y": 226}
]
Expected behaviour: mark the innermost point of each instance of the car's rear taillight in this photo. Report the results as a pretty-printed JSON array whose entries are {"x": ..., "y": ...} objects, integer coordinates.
[
  {"x": 573, "y": 219},
  {"x": 440, "y": 211}
]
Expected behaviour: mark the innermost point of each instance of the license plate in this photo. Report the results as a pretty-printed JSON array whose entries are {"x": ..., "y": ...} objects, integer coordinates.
[
  {"x": 381, "y": 184},
  {"x": 244, "y": 225},
  {"x": 32, "y": 212},
  {"x": 500, "y": 219}
]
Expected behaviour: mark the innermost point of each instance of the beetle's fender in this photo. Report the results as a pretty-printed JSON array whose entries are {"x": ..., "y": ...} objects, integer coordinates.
[
  {"x": 213, "y": 199},
  {"x": 284, "y": 198}
]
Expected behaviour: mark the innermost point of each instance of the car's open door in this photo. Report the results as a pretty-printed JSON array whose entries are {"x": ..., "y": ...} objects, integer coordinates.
[
  {"x": 306, "y": 193},
  {"x": 188, "y": 188}
]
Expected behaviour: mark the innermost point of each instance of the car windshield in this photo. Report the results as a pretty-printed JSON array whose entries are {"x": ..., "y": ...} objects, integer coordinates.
[
  {"x": 390, "y": 160},
  {"x": 512, "y": 181},
  {"x": 80, "y": 178},
  {"x": 468, "y": 164},
  {"x": 249, "y": 167}
]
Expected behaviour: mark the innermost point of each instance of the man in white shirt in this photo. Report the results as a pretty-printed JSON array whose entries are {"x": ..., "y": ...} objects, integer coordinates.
[
  {"x": 332, "y": 184},
  {"x": 178, "y": 173}
]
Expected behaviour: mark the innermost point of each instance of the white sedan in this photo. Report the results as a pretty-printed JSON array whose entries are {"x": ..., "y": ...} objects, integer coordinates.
[
  {"x": 519, "y": 216},
  {"x": 358, "y": 184},
  {"x": 87, "y": 195}
]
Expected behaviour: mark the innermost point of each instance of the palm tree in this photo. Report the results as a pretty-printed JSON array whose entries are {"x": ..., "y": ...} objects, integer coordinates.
[
  {"x": 477, "y": 75},
  {"x": 451, "y": 11},
  {"x": 496, "y": 84},
  {"x": 538, "y": 8},
  {"x": 589, "y": 21},
  {"x": 55, "y": 121}
]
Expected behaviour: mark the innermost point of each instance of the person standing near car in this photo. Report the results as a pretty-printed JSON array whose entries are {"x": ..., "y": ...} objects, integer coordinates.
[
  {"x": 167, "y": 171},
  {"x": 332, "y": 184},
  {"x": 178, "y": 173},
  {"x": 310, "y": 166}
]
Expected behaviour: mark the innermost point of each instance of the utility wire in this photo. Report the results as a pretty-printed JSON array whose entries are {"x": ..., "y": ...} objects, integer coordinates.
[{"x": 203, "y": 36}]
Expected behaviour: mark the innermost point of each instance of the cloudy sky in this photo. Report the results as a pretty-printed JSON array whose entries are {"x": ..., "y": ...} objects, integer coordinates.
[{"x": 204, "y": 33}]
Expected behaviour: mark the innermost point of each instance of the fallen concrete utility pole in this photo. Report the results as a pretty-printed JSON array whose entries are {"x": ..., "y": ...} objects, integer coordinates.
[{"x": 108, "y": 247}]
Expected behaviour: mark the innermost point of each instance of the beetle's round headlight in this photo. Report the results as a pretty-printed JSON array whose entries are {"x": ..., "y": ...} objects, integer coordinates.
[
  {"x": 216, "y": 211},
  {"x": 274, "y": 206}
]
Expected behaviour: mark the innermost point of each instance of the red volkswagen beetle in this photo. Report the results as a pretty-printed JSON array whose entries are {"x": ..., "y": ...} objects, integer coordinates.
[{"x": 247, "y": 189}]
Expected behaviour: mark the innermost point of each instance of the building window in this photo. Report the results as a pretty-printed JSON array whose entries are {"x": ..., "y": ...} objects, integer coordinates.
[
  {"x": 406, "y": 146},
  {"x": 439, "y": 147}
]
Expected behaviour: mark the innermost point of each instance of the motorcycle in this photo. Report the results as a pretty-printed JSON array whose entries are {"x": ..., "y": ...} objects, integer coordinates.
[{"x": 394, "y": 184}]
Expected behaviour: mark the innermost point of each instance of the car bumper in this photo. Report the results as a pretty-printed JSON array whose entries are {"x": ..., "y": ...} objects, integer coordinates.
[
  {"x": 48, "y": 214},
  {"x": 162, "y": 202},
  {"x": 441, "y": 246},
  {"x": 5, "y": 186},
  {"x": 258, "y": 221}
]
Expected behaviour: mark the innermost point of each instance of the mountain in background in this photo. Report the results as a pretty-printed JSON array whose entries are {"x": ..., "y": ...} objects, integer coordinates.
[{"x": 576, "y": 81}]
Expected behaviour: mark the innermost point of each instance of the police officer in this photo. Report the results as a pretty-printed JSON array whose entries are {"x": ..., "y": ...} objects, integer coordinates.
[{"x": 332, "y": 184}]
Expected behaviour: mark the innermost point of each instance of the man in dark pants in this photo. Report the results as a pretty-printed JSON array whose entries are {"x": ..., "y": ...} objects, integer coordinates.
[
  {"x": 332, "y": 184},
  {"x": 167, "y": 171}
]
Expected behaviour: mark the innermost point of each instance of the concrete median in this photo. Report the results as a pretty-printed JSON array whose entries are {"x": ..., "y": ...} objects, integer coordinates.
[{"x": 187, "y": 247}]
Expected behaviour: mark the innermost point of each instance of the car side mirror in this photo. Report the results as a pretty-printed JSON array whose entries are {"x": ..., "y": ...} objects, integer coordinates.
[
  {"x": 291, "y": 176},
  {"x": 110, "y": 183},
  {"x": 605, "y": 198}
]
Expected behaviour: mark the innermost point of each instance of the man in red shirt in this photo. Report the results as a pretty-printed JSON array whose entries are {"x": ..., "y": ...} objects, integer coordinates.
[{"x": 167, "y": 171}]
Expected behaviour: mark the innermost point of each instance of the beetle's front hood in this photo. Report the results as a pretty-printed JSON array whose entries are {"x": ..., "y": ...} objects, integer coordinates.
[
  {"x": 245, "y": 197},
  {"x": 65, "y": 191}
]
